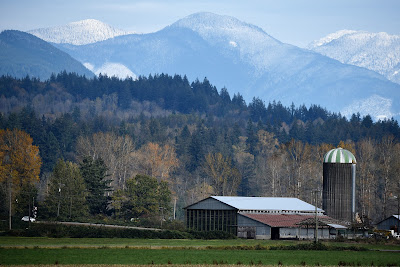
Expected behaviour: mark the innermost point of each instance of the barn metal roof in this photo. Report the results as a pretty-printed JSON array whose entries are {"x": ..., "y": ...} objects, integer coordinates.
[
  {"x": 339, "y": 155},
  {"x": 279, "y": 220},
  {"x": 267, "y": 203}
]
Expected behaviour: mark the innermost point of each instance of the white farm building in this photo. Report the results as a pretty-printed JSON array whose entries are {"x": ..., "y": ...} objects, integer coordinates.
[{"x": 260, "y": 217}]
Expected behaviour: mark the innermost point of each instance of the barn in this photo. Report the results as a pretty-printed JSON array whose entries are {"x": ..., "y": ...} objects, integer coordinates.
[
  {"x": 260, "y": 217},
  {"x": 390, "y": 223}
]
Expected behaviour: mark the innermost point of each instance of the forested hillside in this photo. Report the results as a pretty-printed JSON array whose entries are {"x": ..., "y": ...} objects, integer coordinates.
[{"x": 183, "y": 141}]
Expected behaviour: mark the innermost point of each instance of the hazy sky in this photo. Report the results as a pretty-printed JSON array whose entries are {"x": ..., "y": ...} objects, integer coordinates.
[{"x": 296, "y": 22}]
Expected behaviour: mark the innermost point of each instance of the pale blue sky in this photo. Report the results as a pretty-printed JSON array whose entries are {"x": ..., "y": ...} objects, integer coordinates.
[{"x": 296, "y": 22}]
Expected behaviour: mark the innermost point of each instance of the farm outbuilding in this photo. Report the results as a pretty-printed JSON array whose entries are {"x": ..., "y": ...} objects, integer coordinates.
[
  {"x": 390, "y": 223},
  {"x": 260, "y": 217}
]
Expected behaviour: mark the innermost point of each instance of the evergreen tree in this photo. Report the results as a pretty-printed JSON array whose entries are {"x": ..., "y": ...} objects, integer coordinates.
[
  {"x": 141, "y": 196},
  {"x": 66, "y": 198},
  {"x": 251, "y": 141},
  {"x": 50, "y": 152},
  {"x": 94, "y": 175}
]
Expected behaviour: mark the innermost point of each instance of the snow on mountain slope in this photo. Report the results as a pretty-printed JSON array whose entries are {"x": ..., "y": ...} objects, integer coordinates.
[
  {"x": 228, "y": 33},
  {"x": 112, "y": 69},
  {"x": 330, "y": 37},
  {"x": 78, "y": 33},
  {"x": 379, "y": 52},
  {"x": 376, "y": 106},
  {"x": 244, "y": 59}
]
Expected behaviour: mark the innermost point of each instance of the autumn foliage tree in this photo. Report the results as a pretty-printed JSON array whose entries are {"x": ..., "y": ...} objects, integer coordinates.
[
  {"x": 20, "y": 163},
  {"x": 156, "y": 160},
  {"x": 223, "y": 176}
]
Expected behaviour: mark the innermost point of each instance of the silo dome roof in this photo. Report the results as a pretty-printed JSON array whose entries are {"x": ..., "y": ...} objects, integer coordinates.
[{"x": 339, "y": 155}]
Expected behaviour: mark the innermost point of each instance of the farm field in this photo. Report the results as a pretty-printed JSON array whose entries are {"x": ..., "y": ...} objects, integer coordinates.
[
  {"x": 50, "y": 251},
  {"x": 194, "y": 257},
  {"x": 46, "y": 242},
  {"x": 7, "y": 241}
]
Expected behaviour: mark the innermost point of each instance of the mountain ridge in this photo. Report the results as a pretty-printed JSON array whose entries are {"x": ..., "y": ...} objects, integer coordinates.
[
  {"x": 379, "y": 52},
  {"x": 79, "y": 32},
  {"x": 23, "y": 54},
  {"x": 245, "y": 59}
]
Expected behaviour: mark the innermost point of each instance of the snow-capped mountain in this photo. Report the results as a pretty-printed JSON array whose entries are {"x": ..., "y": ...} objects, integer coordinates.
[
  {"x": 245, "y": 59},
  {"x": 379, "y": 52},
  {"x": 78, "y": 33}
]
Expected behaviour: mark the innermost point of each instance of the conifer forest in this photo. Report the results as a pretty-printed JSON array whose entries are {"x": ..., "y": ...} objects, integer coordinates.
[{"x": 141, "y": 150}]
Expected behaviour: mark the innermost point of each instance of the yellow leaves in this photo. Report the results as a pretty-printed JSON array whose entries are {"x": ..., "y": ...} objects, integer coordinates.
[
  {"x": 224, "y": 177},
  {"x": 267, "y": 143},
  {"x": 347, "y": 146},
  {"x": 157, "y": 161},
  {"x": 199, "y": 192},
  {"x": 19, "y": 159}
]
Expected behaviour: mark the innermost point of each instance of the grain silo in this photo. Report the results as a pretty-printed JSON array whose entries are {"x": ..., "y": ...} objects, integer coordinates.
[{"x": 339, "y": 182}]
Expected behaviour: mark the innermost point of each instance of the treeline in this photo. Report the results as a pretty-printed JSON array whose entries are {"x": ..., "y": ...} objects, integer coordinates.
[
  {"x": 118, "y": 100},
  {"x": 193, "y": 139}
]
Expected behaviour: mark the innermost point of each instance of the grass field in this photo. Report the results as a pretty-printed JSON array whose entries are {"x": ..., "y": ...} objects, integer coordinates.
[
  {"x": 45, "y": 242},
  {"x": 7, "y": 241},
  {"x": 194, "y": 256},
  {"x": 50, "y": 251}
]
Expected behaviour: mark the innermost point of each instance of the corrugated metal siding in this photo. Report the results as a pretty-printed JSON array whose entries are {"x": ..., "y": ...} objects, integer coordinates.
[
  {"x": 337, "y": 191},
  {"x": 261, "y": 229}
]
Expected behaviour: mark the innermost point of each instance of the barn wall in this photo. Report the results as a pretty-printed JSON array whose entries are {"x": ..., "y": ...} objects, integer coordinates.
[
  {"x": 211, "y": 220},
  {"x": 303, "y": 233},
  {"x": 388, "y": 224},
  {"x": 262, "y": 231},
  {"x": 210, "y": 204}
]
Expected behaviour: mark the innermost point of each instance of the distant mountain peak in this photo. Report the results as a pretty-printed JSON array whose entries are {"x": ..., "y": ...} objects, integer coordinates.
[
  {"x": 330, "y": 37},
  {"x": 379, "y": 52},
  {"x": 212, "y": 26},
  {"x": 245, "y": 59},
  {"x": 88, "y": 22},
  {"x": 79, "y": 32}
]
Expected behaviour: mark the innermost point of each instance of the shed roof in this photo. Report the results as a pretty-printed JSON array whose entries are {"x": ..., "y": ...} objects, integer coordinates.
[
  {"x": 267, "y": 203},
  {"x": 278, "y": 220}
]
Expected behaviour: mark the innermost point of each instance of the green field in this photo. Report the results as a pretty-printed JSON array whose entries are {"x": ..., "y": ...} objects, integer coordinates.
[
  {"x": 194, "y": 256},
  {"x": 46, "y": 242},
  {"x": 7, "y": 241},
  {"x": 23, "y": 251}
]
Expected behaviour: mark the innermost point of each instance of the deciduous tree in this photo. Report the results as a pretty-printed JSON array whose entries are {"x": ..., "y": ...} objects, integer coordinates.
[
  {"x": 116, "y": 151},
  {"x": 19, "y": 163},
  {"x": 156, "y": 160},
  {"x": 224, "y": 178}
]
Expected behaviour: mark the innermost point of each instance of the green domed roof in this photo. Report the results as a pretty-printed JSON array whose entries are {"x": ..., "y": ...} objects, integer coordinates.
[{"x": 339, "y": 155}]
